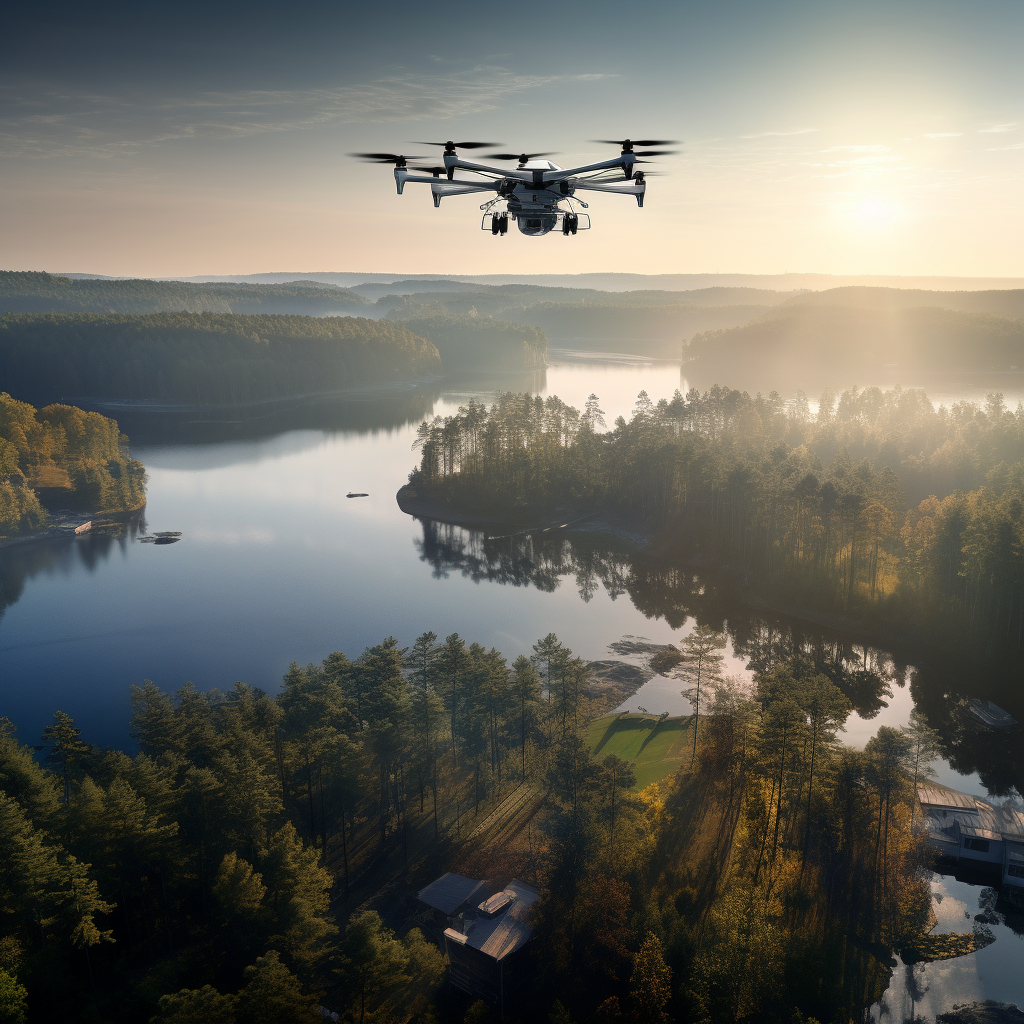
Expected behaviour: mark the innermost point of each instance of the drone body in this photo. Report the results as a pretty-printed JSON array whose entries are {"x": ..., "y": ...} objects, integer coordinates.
[{"x": 538, "y": 196}]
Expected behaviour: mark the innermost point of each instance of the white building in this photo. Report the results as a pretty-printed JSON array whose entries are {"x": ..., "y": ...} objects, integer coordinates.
[{"x": 968, "y": 829}]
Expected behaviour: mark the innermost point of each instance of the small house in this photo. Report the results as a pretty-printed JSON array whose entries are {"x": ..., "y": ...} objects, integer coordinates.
[{"x": 480, "y": 952}]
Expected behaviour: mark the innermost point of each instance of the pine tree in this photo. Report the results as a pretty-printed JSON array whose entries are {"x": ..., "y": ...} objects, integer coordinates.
[
  {"x": 273, "y": 995},
  {"x": 701, "y": 667},
  {"x": 66, "y": 749}
]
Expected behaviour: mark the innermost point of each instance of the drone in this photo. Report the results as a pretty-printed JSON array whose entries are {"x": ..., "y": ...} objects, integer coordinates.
[{"x": 539, "y": 196}]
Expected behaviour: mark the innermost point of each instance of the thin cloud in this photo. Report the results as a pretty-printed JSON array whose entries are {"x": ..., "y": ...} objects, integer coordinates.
[
  {"x": 112, "y": 125},
  {"x": 943, "y": 135},
  {"x": 997, "y": 128},
  {"x": 767, "y": 135}
]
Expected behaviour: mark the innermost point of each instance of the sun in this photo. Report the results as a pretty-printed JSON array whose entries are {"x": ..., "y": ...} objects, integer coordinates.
[{"x": 876, "y": 212}]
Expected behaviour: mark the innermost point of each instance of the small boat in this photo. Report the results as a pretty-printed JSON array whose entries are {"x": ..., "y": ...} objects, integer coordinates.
[
  {"x": 990, "y": 714},
  {"x": 84, "y": 528},
  {"x": 357, "y": 494}
]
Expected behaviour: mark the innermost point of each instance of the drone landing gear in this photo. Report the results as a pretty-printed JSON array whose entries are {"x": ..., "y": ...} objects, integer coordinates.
[
  {"x": 499, "y": 223},
  {"x": 570, "y": 224}
]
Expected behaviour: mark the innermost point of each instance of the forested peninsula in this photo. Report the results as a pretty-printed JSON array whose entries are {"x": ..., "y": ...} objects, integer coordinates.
[
  {"x": 203, "y": 358},
  {"x": 877, "y": 509},
  {"x": 30, "y": 292},
  {"x": 868, "y": 333},
  {"x": 61, "y": 458}
]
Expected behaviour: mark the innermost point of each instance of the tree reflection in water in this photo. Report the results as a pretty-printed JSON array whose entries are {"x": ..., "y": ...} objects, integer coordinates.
[{"x": 675, "y": 593}]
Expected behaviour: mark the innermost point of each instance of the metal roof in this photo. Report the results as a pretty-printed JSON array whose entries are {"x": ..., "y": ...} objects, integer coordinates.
[
  {"x": 510, "y": 927},
  {"x": 934, "y": 794},
  {"x": 947, "y": 810},
  {"x": 451, "y": 891}
]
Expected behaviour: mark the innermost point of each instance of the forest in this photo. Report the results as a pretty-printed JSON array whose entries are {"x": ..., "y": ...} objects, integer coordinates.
[
  {"x": 468, "y": 341},
  {"x": 60, "y": 457},
  {"x": 203, "y": 358},
  {"x": 245, "y": 864},
  {"x": 31, "y": 292},
  {"x": 642, "y": 322},
  {"x": 856, "y": 333},
  {"x": 878, "y": 508}
]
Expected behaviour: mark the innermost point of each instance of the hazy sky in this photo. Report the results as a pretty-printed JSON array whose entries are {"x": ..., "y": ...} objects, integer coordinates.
[{"x": 174, "y": 139}]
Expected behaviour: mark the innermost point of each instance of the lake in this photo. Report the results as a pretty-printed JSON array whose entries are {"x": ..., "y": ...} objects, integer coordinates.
[{"x": 275, "y": 564}]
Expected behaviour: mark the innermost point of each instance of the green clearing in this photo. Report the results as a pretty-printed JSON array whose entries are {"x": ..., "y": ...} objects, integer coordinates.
[{"x": 655, "y": 748}]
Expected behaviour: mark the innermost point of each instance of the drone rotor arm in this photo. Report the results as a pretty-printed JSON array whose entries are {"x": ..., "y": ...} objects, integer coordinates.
[
  {"x": 571, "y": 172},
  {"x": 632, "y": 188}
]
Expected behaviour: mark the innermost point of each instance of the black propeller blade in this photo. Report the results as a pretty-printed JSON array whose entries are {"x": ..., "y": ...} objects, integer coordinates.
[
  {"x": 385, "y": 158},
  {"x": 656, "y": 152},
  {"x": 431, "y": 170},
  {"x": 521, "y": 157},
  {"x": 628, "y": 144},
  {"x": 450, "y": 146}
]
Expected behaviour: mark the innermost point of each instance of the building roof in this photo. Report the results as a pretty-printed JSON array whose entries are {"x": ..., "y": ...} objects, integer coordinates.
[
  {"x": 508, "y": 929},
  {"x": 934, "y": 794},
  {"x": 950, "y": 814},
  {"x": 451, "y": 891}
]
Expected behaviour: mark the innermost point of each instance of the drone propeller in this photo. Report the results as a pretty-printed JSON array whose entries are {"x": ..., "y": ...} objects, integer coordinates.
[
  {"x": 436, "y": 171},
  {"x": 385, "y": 158},
  {"x": 657, "y": 152},
  {"x": 521, "y": 157},
  {"x": 450, "y": 147},
  {"x": 628, "y": 144}
]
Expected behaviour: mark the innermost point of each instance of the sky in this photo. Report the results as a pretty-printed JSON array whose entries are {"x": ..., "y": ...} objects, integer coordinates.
[{"x": 182, "y": 139}]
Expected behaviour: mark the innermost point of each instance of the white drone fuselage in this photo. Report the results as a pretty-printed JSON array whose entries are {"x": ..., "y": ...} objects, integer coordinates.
[{"x": 538, "y": 195}]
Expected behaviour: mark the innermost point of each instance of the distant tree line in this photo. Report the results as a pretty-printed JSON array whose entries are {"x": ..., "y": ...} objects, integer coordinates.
[
  {"x": 30, "y": 292},
  {"x": 878, "y": 505},
  {"x": 72, "y": 458},
  {"x": 817, "y": 341},
  {"x": 203, "y": 358},
  {"x": 474, "y": 342}
]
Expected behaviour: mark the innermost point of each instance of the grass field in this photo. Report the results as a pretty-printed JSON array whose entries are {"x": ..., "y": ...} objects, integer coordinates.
[{"x": 654, "y": 748}]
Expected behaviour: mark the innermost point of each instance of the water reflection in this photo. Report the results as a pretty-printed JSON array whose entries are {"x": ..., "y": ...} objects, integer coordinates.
[
  {"x": 62, "y": 555},
  {"x": 868, "y": 676},
  {"x": 924, "y": 990}
]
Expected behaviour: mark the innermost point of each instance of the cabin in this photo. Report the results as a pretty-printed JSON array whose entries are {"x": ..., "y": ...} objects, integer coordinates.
[
  {"x": 487, "y": 926},
  {"x": 971, "y": 831}
]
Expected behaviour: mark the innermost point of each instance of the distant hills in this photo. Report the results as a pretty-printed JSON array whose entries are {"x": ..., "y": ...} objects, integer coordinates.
[
  {"x": 22, "y": 292},
  {"x": 856, "y": 335},
  {"x": 753, "y": 336},
  {"x": 621, "y": 282}
]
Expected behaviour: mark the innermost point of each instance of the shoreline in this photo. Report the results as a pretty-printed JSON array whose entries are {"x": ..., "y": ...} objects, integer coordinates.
[
  {"x": 645, "y": 538},
  {"x": 366, "y": 392},
  {"x": 545, "y": 519},
  {"x": 65, "y": 527}
]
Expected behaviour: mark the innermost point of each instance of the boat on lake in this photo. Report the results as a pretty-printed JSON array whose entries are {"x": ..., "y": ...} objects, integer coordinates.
[
  {"x": 990, "y": 714},
  {"x": 84, "y": 528}
]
